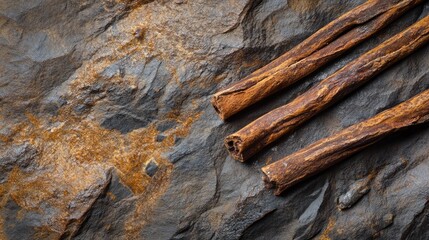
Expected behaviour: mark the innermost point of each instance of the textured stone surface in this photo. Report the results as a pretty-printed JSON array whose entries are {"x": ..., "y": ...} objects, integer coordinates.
[{"x": 107, "y": 131}]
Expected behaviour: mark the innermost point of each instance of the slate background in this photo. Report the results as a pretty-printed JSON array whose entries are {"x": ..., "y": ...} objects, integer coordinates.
[{"x": 139, "y": 153}]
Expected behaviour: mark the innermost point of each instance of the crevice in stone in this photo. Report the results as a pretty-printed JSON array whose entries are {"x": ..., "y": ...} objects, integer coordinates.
[
  {"x": 418, "y": 226},
  {"x": 73, "y": 226}
]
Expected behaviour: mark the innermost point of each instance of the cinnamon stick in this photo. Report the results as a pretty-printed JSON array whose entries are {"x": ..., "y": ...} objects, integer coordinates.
[
  {"x": 331, "y": 150},
  {"x": 271, "y": 126},
  {"x": 313, "y": 53}
]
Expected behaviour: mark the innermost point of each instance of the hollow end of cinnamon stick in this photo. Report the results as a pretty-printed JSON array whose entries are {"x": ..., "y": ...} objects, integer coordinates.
[
  {"x": 233, "y": 145},
  {"x": 217, "y": 108},
  {"x": 269, "y": 184}
]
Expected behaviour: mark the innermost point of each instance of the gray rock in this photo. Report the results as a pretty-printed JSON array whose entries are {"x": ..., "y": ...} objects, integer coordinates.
[
  {"x": 21, "y": 156},
  {"x": 151, "y": 168},
  {"x": 124, "y": 122},
  {"x": 357, "y": 191},
  {"x": 92, "y": 91}
]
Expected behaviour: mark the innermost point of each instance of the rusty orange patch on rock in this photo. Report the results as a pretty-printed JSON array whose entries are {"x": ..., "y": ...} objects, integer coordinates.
[
  {"x": 303, "y": 6},
  {"x": 2, "y": 235},
  {"x": 328, "y": 230},
  {"x": 75, "y": 154}
]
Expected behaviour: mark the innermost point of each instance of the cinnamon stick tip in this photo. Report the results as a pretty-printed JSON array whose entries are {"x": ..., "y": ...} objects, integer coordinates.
[
  {"x": 232, "y": 144},
  {"x": 216, "y": 107},
  {"x": 269, "y": 184}
]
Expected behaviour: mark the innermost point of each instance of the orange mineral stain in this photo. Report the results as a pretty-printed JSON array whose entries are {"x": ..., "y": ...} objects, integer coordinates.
[
  {"x": 303, "y": 6},
  {"x": 328, "y": 230},
  {"x": 2, "y": 235},
  {"x": 75, "y": 154}
]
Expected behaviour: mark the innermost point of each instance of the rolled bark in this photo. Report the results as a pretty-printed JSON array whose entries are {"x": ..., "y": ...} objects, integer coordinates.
[
  {"x": 314, "y": 52},
  {"x": 271, "y": 126},
  {"x": 329, "y": 151}
]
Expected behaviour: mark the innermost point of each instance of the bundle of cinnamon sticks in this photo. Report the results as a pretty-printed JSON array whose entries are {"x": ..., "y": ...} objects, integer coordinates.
[{"x": 313, "y": 53}]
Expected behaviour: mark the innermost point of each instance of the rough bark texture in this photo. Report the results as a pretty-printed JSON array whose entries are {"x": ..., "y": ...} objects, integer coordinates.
[
  {"x": 313, "y": 53},
  {"x": 252, "y": 138},
  {"x": 331, "y": 150},
  {"x": 103, "y": 92}
]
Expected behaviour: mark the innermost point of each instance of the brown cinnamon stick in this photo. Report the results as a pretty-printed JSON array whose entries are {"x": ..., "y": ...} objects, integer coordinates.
[
  {"x": 314, "y": 52},
  {"x": 329, "y": 151},
  {"x": 271, "y": 126}
]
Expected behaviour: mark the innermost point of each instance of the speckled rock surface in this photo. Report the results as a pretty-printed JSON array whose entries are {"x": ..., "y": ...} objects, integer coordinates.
[{"x": 106, "y": 130}]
